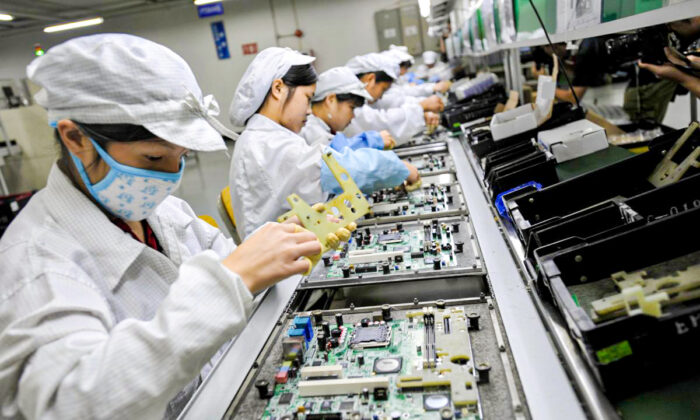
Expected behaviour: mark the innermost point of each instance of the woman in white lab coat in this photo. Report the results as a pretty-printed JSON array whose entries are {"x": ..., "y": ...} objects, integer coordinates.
[
  {"x": 114, "y": 296},
  {"x": 338, "y": 93},
  {"x": 271, "y": 161},
  {"x": 401, "y": 90},
  {"x": 378, "y": 72}
]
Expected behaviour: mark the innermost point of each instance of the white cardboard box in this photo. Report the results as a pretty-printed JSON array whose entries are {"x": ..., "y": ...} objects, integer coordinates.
[
  {"x": 573, "y": 140},
  {"x": 525, "y": 117},
  {"x": 515, "y": 121}
]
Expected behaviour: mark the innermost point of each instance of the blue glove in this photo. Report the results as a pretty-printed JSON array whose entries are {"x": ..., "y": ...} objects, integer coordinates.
[
  {"x": 370, "y": 139},
  {"x": 412, "y": 78},
  {"x": 371, "y": 170}
]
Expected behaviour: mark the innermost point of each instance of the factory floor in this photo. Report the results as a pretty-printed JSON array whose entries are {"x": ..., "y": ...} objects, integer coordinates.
[{"x": 206, "y": 174}]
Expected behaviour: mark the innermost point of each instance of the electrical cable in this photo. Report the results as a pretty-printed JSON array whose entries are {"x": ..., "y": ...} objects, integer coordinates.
[{"x": 561, "y": 63}]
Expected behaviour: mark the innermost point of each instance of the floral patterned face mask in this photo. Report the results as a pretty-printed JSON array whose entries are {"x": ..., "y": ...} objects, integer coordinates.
[{"x": 127, "y": 192}]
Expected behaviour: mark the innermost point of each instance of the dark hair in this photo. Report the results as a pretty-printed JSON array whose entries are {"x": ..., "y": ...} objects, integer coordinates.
[
  {"x": 379, "y": 76},
  {"x": 356, "y": 100},
  {"x": 103, "y": 134},
  {"x": 405, "y": 64},
  {"x": 299, "y": 75}
]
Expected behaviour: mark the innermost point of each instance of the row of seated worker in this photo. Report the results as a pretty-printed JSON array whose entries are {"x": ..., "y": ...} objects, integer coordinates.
[{"x": 115, "y": 299}]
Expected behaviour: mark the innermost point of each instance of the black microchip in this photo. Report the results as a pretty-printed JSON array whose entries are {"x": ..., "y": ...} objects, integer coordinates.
[
  {"x": 309, "y": 406},
  {"x": 316, "y": 363},
  {"x": 346, "y": 405},
  {"x": 370, "y": 268},
  {"x": 286, "y": 398},
  {"x": 326, "y": 405},
  {"x": 380, "y": 394}
]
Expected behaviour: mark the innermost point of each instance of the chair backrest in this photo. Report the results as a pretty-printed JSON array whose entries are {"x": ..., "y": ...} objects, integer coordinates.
[
  {"x": 209, "y": 220},
  {"x": 226, "y": 212}
]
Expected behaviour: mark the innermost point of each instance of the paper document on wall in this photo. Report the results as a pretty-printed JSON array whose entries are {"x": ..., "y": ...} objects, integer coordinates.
[{"x": 577, "y": 14}]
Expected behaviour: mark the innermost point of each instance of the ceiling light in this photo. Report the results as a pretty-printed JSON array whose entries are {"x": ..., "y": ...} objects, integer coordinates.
[
  {"x": 73, "y": 25},
  {"x": 424, "y": 7},
  {"x": 4, "y": 17},
  {"x": 201, "y": 2}
]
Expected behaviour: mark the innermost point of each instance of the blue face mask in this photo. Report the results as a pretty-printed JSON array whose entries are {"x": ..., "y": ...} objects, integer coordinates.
[{"x": 127, "y": 192}]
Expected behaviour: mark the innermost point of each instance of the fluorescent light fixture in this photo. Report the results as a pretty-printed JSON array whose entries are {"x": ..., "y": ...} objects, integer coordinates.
[
  {"x": 4, "y": 17},
  {"x": 74, "y": 25},
  {"x": 424, "y": 7},
  {"x": 201, "y": 2}
]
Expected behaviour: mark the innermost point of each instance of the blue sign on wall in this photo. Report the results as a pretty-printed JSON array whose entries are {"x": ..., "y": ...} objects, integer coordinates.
[
  {"x": 217, "y": 29},
  {"x": 213, "y": 9}
]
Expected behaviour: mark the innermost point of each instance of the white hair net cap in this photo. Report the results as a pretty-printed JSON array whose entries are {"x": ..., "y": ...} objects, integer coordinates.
[
  {"x": 430, "y": 57},
  {"x": 124, "y": 79},
  {"x": 271, "y": 64},
  {"x": 339, "y": 80},
  {"x": 374, "y": 62},
  {"x": 399, "y": 53}
]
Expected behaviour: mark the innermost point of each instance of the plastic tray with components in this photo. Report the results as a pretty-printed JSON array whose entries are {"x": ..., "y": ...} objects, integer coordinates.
[
  {"x": 633, "y": 308},
  {"x": 438, "y": 197},
  {"x": 401, "y": 251},
  {"x": 399, "y": 361}
]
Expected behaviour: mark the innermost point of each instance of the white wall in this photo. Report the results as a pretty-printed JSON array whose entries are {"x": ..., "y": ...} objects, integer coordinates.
[{"x": 334, "y": 30}]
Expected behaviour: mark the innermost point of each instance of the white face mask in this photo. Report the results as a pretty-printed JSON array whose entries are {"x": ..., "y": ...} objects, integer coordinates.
[{"x": 127, "y": 192}]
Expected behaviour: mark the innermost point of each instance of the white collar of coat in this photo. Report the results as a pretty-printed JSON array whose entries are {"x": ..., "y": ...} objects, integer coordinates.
[
  {"x": 112, "y": 248},
  {"x": 320, "y": 122},
  {"x": 261, "y": 122}
]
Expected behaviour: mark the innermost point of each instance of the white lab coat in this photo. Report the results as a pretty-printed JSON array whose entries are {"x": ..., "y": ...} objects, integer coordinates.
[
  {"x": 402, "y": 122},
  {"x": 394, "y": 98},
  {"x": 316, "y": 131},
  {"x": 402, "y": 92},
  {"x": 440, "y": 70},
  {"x": 94, "y": 324},
  {"x": 269, "y": 163}
]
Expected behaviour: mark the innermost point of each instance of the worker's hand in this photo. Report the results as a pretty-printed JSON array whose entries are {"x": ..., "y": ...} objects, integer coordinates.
[
  {"x": 675, "y": 58},
  {"x": 293, "y": 220},
  {"x": 432, "y": 104},
  {"x": 271, "y": 254},
  {"x": 666, "y": 71},
  {"x": 432, "y": 120},
  {"x": 413, "y": 181},
  {"x": 413, "y": 175},
  {"x": 442, "y": 87},
  {"x": 389, "y": 142}
]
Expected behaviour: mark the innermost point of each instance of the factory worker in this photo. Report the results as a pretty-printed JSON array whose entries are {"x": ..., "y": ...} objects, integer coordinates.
[
  {"x": 271, "y": 161},
  {"x": 432, "y": 68},
  {"x": 338, "y": 93},
  {"x": 401, "y": 91},
  {"x": 378, "y": 72},
  {"x": 114, "y": 296}
]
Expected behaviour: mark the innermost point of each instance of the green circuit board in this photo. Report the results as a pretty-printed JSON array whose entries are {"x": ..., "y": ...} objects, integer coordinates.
[
  {"x": 430, "y": 354},
  {"x": 429, "y": 199},
  {"x": 430, "y": 163},
  {"x": 396, "y": 248}
]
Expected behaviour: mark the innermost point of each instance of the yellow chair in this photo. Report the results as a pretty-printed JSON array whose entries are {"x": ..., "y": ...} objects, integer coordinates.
[
  {"x": 209, "y": 220},
  {"x": 226, "y": 214}
]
